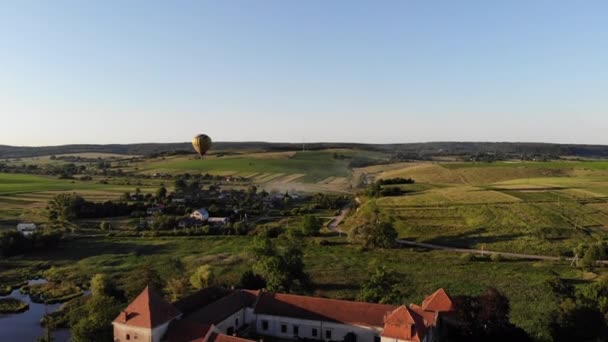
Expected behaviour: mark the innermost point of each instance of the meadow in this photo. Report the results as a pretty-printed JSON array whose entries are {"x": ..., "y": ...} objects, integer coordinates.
[{"x": 337, "y": 269}]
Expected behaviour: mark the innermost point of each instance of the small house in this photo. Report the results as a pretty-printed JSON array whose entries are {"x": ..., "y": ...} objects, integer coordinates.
[
  {"x": 222, "y": 221},
  {"x": 200, "y": 215},
  {"x": 27, "y": 229},
  {"x": 157, "y": 209}
]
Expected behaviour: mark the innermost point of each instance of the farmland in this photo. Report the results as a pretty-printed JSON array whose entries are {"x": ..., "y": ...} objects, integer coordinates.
[
  {"x": 312, "y": 166},
  {"x": 526, "y": 207},
  {"x": 546, "y": 208}
]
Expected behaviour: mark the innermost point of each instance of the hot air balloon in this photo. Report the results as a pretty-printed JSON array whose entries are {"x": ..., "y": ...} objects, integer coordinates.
[{"x": 201, "y": 143}]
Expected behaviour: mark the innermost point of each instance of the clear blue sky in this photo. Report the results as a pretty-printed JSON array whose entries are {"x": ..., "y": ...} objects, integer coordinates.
[{"x": 370, "y": 71}]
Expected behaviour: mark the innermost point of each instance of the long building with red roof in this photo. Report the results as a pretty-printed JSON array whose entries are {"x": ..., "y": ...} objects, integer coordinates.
[{"x": 220, "y": 315}]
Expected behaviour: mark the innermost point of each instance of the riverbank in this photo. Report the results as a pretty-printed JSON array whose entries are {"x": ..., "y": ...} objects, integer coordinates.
[{"x": 12, "y": 305}]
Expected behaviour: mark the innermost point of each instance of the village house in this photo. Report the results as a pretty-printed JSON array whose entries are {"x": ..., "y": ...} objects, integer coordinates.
[
  {"x": 156, "y": 209},
  {"x": 27, "y": 229},
  {"x": 220, "y": 221},
  {"x": 200, "y": 215},
  {"x": 220, "y": 315}
]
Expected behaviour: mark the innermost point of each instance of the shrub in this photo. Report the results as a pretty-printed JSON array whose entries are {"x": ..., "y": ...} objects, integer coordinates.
[
  {"x": 467, "y": 257},
  {"x": 496, "y": 257}
]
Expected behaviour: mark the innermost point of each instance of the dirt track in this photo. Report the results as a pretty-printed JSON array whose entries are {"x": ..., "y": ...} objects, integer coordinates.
[{"x": 479, "y": 251}]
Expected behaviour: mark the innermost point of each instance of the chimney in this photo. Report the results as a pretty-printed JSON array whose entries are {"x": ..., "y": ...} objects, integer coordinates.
[{"x": 124, "y": 315}]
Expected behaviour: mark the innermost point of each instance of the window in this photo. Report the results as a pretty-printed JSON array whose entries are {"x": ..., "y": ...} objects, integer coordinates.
[
  {"x": 264, "y": 325},
  {"x": 376, "y": 338},
  {"x": 236, "y": 322},
  {"x": 296, "y": 330},
  {"x": 128, "y": 337},
  {"x": 284, "y": 328},
  {"x": 328, "y": 334},
  {"x": 230, "y": 331},
  {"x": 315, "y": 332}
]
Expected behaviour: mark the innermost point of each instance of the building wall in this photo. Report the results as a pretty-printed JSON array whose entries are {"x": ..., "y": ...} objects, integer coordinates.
[
  {"x": 388, "y": 339},
  {"x": 235, "y": 321},
  {"x": 138, "y": 334},
  {"x": 305, "y": 329}
]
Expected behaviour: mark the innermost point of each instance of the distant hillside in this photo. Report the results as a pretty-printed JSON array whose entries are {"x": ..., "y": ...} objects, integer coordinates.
[{"x": 430, "y": 149}]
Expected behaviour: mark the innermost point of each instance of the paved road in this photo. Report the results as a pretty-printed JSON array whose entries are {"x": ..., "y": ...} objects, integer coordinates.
[
  {"x": 335, "y": 222},
  {"x": 479, "y": 251}
]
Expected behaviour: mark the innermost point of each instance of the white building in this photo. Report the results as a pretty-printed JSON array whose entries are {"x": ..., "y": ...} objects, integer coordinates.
[
  {"x": 27, "y": 229},
  {"x": 219, "y": 315},
  {"x": 200, "y": 215},
  {"x": 218, "y": 220}
]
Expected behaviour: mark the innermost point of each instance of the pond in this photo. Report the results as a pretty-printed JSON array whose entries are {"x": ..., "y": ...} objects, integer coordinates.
[{"x": 26, "y": 326}]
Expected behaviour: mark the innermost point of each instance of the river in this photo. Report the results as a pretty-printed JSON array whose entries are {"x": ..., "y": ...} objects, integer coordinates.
[{"x": 25, "y": 326}]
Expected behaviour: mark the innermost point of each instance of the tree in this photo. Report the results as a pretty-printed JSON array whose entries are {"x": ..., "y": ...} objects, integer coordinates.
[
  {"x": 143, "y": 276},
  {"x": 575, "y": 322},
  {"x": 92, "y": 321},
  {"x": 65, "y": 207},
  {"x": 485, "y": 318},
  {"x": 177, "y": 288},
  {"x": 381, "y": 287},
  {"x": 101, "y": 285},
  {"x": 494, "y": 310},
  {"x": 161, "y": 192},
  {"x": 283, "y": 271},
  {"x": 595, "y": 296},
  {"x": 202, "y": 277},
  {"x": 374, "y": 189},
  {"x": 311, "y": 225},
  {"x": 251, "y": 281},
  {"x": 374, "y": 234},
  {"x": 375, "y": 230}
]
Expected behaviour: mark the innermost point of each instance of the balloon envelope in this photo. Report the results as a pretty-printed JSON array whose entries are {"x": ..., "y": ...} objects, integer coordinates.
[{"x": 201, "y": 143}]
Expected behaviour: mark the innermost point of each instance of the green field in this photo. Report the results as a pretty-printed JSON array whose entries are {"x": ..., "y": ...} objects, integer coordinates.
[
  {"x": 23, "y": 197},
  {"x": 589, "y": 165},
  {"x": 336, "y": 270},
  {"x": 543, "y": 208},
  {"x": 536, "y": 208},
  {"x": 313, "y": 166},
  {"x": 20, "y": 183}
]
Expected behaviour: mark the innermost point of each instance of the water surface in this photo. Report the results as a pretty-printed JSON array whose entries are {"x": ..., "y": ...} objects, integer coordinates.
[{"x": 25, "y": 326}]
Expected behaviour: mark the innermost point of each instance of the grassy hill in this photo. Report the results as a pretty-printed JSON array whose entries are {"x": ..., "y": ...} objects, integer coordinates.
[
  {"x": 412, "y": 150},
  {"x": 545, "y": 208}
]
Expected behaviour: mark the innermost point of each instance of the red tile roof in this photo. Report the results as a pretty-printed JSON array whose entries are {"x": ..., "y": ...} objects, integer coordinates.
[
  {"x": 148, "y": 310},
  {"x": 439, "y": 301},
  {"x": 200, "y": 298},
  {"x": 322, "y": 309},
  {"x": 216, "y": 337},
  {"x": 186, "y": 331},
  {"x": 430, "y": 317},
  {"x": 405, "y": 324},
  {"x": 223, "y": 308}
]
